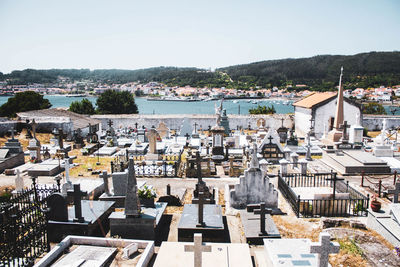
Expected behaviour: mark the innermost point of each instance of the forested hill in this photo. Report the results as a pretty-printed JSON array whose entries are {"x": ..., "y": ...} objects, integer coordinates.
[
  {"x": 322, "y": 72},
  {"x": 319, "y": 73}
]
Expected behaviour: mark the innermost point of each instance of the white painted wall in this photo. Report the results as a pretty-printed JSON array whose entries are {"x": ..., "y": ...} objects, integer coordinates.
[{"x": 323, "y": 115}]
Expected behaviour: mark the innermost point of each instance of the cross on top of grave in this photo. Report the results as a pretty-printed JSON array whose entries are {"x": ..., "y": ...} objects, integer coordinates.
[
  {"x": 344, "y": 126},
  {"x": 311, "y": 123},
  {"x": 262, "y": 211},
  {"x": 197, "y": 248},
  {"x": 136, "y": 125},
  {"x": 254, "y": 164},
  {"x": 187, "y": 136},
  {"x": 270, "y": 138},
  {"x": 132, "y": 204},
  {"x": 198, "y": 163},
  {"x": 77, "y": 194},
  {"x": 105, "y": 177},
  {"x": 282, "y": 120},
  {"x": 34, "y": 125},
  {"x": 195, "y": 127},
  {"x": 110, "y": 123},
  {"x": 200, "y": 221},
  {"x": 334, "y": 179},
  {"x": 395, "y": 192},
  {"x": 323, "y": 248},
  {"x": 12, "y": 131}
]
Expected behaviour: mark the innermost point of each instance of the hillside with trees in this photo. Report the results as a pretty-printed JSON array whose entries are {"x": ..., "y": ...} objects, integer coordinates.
[{"x": 318, "y": 73}]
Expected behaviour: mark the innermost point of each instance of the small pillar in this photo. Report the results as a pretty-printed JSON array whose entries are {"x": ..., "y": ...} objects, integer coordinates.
[
  {"x": 231, "y": 171},
  {"x": 295, "y": 159},
  {"x": 286, "y": 152},
  {"x": 303, "y": 166},
  {"x": 283, "y": 166}
]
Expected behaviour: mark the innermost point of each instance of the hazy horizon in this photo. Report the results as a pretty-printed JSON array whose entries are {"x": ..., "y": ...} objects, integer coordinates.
[{"x": 130, "y": 35}]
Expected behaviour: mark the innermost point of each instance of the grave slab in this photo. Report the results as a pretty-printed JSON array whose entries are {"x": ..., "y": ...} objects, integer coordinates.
[
  {"x": 251, "y": 225},
  {"x": 95, "y": 214},
  {"x": 213, "y": 229},
  {"x": 386, "y": 223},
  {"x": 120, "y": 199},
  {"x": 106, "y": 151},
  {"x": 172, "y": 254},
  {"x": 87, "y": 256},
  {"x": 143, "y": 227}
]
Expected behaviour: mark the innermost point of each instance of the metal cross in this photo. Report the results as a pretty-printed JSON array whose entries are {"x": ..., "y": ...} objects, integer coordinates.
[
  {"x": 262, "y": 211},
  {"x": 334, "y": 179},
  {"x": 110, "y": 123},
  {"x": 395, "y": 192},
  {"x": 136, "y": 125},
  {"x": 270, "y": 138},
  {"x": 187, "y": 136},
  {"x": 12, "y": 131},
  {"x": 323, "y": 248},
  {"x": 197, "y": 248},
  {"x": 195, "y": 127},
  {"x": 200, "y": 221},
  {"x": 77, "y": 194},
  {"x": 198, "y": 163}
]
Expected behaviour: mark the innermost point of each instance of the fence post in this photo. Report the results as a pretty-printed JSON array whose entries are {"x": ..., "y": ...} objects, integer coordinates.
[
  {"x": 176, "y": 168},
  {"x": 362, "y": 178},
  {"x": 380, "y": 187},
  {"x": 298, "y": 206},
  {"x": 366, "y": 209},
  {"x": 394, "y": 177},
  {"x": 347, "y": 186}
]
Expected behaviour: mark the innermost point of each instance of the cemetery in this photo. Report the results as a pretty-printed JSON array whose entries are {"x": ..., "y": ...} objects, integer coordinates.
[{"x": 106, "y": 193}]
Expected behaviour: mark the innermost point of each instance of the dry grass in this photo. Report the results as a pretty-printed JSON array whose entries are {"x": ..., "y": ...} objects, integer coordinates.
[
  {"x": 44, "y": 138},
  {"x": 85, "y": 162}
]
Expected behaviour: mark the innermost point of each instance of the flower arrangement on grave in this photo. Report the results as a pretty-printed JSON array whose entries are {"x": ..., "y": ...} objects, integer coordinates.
[
  {"x": 397, "y": 251},
  {"x": 147, "y": 193},
  {"x": 375, "y": 204}
]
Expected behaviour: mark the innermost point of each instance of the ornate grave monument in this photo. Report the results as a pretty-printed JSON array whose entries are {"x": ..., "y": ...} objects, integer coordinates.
[
  {"x": 34, "y": 145},
  {"x": 11, "y": 154}
]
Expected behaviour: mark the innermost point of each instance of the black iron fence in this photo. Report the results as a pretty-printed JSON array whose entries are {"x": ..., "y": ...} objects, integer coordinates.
[
  {"x": 345, "y": 201},
  {"x": 23, "y": 226}
]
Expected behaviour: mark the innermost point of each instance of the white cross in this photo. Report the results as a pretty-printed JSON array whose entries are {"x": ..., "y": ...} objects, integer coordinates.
[
  {"x": 323, "y": 248},
  {"x": 395, "y": 193},
  {"x": 197, "y": 248}
]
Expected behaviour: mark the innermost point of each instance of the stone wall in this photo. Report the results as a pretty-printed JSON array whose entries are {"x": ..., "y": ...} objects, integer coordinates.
[
  {"x": 374, "y": 122},
  {"x": 174, "y": 121}
]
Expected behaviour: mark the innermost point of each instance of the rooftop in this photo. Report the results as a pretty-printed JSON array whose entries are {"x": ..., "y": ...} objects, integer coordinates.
[{"x": 314, "y": 99}]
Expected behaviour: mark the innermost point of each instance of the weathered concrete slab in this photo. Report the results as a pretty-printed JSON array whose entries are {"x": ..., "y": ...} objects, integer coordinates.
[
  {"x": 86, "y": 256},
  {"x": 251, "y": 225}
]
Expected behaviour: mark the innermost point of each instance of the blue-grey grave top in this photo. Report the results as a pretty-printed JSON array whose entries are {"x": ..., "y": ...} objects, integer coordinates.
[
  {"x": 91, "y": 210},
  {"x": 212, "y": 217}
]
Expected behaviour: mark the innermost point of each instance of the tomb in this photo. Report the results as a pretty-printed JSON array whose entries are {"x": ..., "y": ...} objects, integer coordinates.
[
  {"x": 99, "y": 251},
  {"x": 254, "y": 187},
  {"x": 134, "y": 221},
  {"x": 48, "y": 167},
  {"x": 175, "y": 199},
  {"x": 183, "y": 254},
  {"x": 382, "y": 147},
  {"x": 296, "y": 252},
  {"x": 258, "y": 225},
  {"x": 387, "y": 223},
  {"x": 152, "y": 152},
  {"x": 86, "y": 217},
  {"x": 11, "y": 154},
  {"x": 271, "y": 148},
  {"x": 202, "y": 218}
]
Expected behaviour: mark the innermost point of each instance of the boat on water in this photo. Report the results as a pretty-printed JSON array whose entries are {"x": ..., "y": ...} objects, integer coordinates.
[
  {"x": 235, "y": 101},
  {"x": 176, "y": 99},
  {"x": 75, "y": 95},
  {"x": 254, "y": 102}
]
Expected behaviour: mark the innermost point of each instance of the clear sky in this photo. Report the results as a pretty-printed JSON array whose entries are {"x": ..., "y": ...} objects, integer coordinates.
[{"x": 133, "y": 34}]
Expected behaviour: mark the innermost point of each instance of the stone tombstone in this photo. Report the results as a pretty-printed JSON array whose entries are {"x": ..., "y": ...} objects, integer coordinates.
[
  {"x": 152, "y": 136},
  {"x": 163, "y": 130},
  {"x": 198, "y": 248},
  {"x": 19, "y": 182},
  {"x": 395, "y": 192},
  {"x": 87, "y": 256},
  {"x": 132, "y": 203},
  {"x": 119, "y": 180},
  {"x": 323, "y": 248},
  {"x": 58, "y": 209}
]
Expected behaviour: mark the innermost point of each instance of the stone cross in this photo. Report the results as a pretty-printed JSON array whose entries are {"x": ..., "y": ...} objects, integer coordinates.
[
  {"x": 19, "y": 182},
  {"x": 254, "y": 164},
  {"x": 67, "y": 171},
  {"x": 308, "y": 153},
  {"x": 12, "y": 131},
  {"x": 187, "y": 136},
  {"x": 197, "y": 248},
  {"x": 34, "y": 125},
  {"x": 270, "y": 138},
  {"x": 395, "y": 192},
  {"x": 132, "y": 204},
  {"x": 105, "y": 177},
  {"x": 262, "y": 211},
  {"x": 200, "y": 221},
  {"x": 152, "y": 136},
  {"x": 323, "y": 248},
  {"x": 198, "y": 164},
  {"x": 77, "y": 194},
  {"x": 344, "y": 126}
]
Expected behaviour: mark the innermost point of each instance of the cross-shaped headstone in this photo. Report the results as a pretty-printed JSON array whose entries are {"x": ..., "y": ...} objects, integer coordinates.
[
  {"x": 195, "y": 127},
  {"x": 282, "y": 120},
  {"x": 12, "y": 131},
  {"x": 323, "y": 248},
  {"x": 34, "y": 125},
  {"x": 198, "y": 163},
  {"x": 105, "y": 177},
  {"x": 136, "y": 125},
  {"x": 132, "y": 204},
  {"x": 395, "y": 192},
  {"x": 270, "y": 138},
  {"x": 344, "y": 126},
  {"x": 110, "y": 123},
  {"x": 262, "y": 211},
  {"x": 334, "y": 178},
  {"x": 197, "y": 248},
  {"x": 187, "y": 136},
  {"x": 77, "y": 194},
  {"x": 200, "y": 221}
]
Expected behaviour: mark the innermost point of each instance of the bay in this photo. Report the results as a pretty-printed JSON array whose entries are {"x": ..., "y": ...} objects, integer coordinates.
[{"x": 241, "y": 106}]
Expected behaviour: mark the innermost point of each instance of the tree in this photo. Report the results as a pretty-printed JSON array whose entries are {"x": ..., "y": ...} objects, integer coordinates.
[
  {"x": 262, "y": 110},
  {"x": 113, "y": 102},
  {"x": 374, "y": 108},
  {"x": 82, "y": 107},
  {"x": 24, "y": 101}
]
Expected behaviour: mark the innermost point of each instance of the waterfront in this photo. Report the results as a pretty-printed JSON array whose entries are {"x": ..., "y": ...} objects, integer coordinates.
[{"x": 241, "y": 106}]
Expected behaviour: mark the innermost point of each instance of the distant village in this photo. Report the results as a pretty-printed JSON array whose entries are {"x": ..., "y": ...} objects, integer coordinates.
[{"x": 162, "y": 91}]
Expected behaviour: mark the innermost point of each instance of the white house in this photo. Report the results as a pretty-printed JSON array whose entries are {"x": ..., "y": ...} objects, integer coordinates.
[{"x": 322, "y": 107}]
